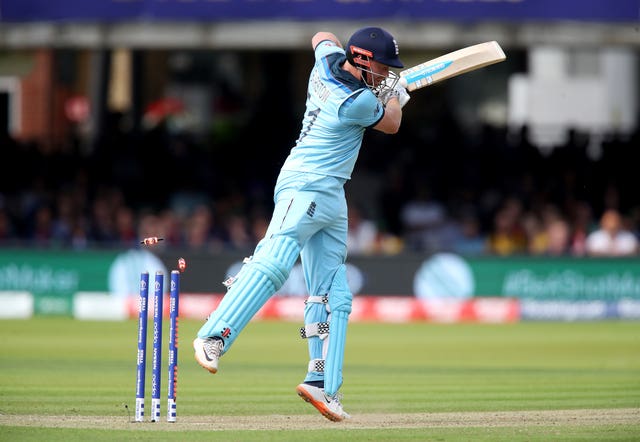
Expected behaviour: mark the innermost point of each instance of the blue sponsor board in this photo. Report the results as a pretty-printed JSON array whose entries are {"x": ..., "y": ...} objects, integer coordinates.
[{"x": 206, "y": 10}]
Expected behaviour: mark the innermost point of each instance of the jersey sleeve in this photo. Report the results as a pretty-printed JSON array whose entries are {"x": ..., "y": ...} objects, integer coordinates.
[
  {"x": 326, "y": 47},
  {"x": 362, "y": 109}
]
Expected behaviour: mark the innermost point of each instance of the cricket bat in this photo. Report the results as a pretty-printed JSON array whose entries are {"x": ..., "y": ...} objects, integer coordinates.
[{"x": 451, "y": 65}]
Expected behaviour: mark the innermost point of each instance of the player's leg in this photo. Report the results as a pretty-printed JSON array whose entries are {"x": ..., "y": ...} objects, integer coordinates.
[
  {"x": 340, "y": 300},
  {"x": 262, "y": 276},
  {"x": 259, "y": 278},
  {"x": 316, "y": 310},
  {"x": 323, "y": 254},
  {"x": 326, "y": 311},
  {"x": 324, "y": 376}
]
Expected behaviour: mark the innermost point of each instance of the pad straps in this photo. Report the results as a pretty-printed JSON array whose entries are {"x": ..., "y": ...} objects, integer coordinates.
[
  {"x": 320, "y": 329},
  {"x": 231, "y": 279},
  {"x": 322, "y": 299},
  {"x": 316, "y": 365}
]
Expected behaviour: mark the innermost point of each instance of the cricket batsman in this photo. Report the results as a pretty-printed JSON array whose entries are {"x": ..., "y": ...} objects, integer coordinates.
[{"x": 350, "y": 90}]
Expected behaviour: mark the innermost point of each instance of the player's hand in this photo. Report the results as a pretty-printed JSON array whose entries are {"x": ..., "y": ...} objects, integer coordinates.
[
  {"x": 403, "y": 95},
  {"x": 399, "y": 92}
]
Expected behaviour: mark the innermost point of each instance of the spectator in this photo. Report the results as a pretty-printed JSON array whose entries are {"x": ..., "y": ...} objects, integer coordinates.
[
  {"x": 238, "y": 233},
  {"x": 103, "y": 227},
  {"x": 65, "y": 219},
  {"x": 42, "y": 232},
  {"x": 423, "y": 219},
  {"x": 393, "y": 196},
  {"x": 79, "y": 235},
  {"x": 469, "y": 241},
  {"x": 581, "y": 216},
  {"x": 199, "y": 226},
  {"x": 85, "y": 188},
  {"x": 508, "y": 236},
  {"x": 611, "y": 239},
  {"x": 548, "y": 233},
  {"x": 202, "y": 232},
  {"x": 125, "y": 226},
  {"x": 172, "y": 226},
  {"x": 362, "y": 234},
  {"x": 558, "y": 235},
  {"x": 259, "y": 225},
  {"x": 537, "y": 237},
  {"x": 6, "y": 227}
]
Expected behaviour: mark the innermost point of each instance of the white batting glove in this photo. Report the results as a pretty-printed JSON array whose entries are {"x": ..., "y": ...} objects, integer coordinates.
[
  {"x": 399, "y": 91},
  {"x": 403, "y": 95}
]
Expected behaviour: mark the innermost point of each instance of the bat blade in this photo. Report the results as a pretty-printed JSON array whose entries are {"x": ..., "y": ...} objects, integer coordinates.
[{"x": 451, "y": 65}]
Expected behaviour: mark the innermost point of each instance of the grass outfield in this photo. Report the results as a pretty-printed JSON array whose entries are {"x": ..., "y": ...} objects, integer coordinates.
[{"x": 62, "y": 379}]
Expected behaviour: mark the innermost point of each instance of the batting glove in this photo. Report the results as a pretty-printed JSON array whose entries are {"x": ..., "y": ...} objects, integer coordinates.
[
  {"x": 403, "y": 95},
  {"x": 399, "y": 92}
]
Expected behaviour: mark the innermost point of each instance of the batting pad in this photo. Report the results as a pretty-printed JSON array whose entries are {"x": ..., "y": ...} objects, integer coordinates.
[
  {"x": 340, "y": 301},
  {"x": 315, "y": 312},
  {"x": 335, "y": 352},
  {"x": 260, "y": 279}
]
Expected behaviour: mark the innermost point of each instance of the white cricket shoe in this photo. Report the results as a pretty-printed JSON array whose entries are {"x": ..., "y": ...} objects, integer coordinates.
[
  {"x": 329, "y": 407},
  {"x": 208, "y": 351}
]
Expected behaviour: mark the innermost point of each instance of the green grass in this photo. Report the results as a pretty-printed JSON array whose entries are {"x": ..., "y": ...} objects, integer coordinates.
[
  {"x": 56, "y": 366},
  {"x": 598, "y": 433}
]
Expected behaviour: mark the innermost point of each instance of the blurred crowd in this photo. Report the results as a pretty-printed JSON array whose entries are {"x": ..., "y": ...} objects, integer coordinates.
[{"x": 488, "y": 193}]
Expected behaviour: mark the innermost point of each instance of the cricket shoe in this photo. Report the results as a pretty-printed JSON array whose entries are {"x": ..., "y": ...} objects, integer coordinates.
[
  {"x": 328, "y": 406},
  {"x": 208, "y": 352}
]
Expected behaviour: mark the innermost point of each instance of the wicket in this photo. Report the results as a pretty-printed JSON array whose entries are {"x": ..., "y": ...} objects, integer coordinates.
[
  {"x": 158, "y": 313},
  {"x": 142, "y": 346},
  {"x": 172, "y": 382}
]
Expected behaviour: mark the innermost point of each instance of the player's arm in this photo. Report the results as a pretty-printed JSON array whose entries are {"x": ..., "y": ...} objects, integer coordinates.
[
  {"x": 322, "y": 36},
  {"x": 364, "y": 109},
  {"x": 390, "y": 122}
]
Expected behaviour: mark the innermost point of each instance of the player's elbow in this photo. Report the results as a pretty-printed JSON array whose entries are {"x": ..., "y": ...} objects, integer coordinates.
[
  {"x": 387, "y": 129},
  {"x": 390, "y": 124},
  {"x": 392, "y": 130}
]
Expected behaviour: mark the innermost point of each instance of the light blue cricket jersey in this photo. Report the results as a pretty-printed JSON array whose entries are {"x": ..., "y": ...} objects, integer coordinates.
[{"x": 339, "y": 109}]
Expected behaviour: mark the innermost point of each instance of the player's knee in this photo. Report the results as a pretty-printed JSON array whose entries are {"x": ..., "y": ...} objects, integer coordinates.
[
  {"x": 275, "y": 258},
  {"x": 340, "y": 296}
]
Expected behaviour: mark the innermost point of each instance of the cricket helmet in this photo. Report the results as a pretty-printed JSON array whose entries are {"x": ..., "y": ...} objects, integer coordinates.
[{"x": 373, "y": 43}]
